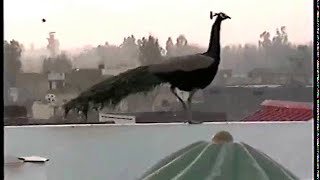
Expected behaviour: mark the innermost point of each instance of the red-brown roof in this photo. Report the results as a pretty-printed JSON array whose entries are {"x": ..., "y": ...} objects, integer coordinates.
[{"x": 274, "y": 110}]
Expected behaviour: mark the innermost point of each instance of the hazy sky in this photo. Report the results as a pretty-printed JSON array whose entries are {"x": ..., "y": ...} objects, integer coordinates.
[{"x": 93, "y": 22}]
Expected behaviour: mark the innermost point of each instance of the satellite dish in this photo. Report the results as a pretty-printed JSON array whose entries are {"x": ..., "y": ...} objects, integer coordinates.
[{"x": 51, "y": 98}]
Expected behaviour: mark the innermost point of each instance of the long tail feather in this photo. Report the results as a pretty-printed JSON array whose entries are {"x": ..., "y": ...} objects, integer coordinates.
[{"x": 112, "y": 90}]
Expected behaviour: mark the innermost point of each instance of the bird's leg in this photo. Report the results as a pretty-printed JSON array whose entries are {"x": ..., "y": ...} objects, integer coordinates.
[
  {"x": 175, "y": 93},
  {"x": 172, "y": 88},
  {"x": 189, "y": 111}
]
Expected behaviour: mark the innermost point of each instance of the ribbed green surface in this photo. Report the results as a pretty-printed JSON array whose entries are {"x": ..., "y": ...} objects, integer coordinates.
[{"x": 208, "y": 161}]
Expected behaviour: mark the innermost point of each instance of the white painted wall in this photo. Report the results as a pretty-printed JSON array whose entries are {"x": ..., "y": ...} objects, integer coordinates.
[
  {"x": 124, "y": 152},
  {"x": 42, "y": 111},
  {"x": 56, "y": 76}
]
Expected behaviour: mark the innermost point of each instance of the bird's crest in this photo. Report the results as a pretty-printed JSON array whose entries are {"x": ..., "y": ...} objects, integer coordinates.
[{"x": 220, "y": 14}]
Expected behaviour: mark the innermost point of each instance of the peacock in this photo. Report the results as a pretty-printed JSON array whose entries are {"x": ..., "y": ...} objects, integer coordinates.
[{"x": 188, "y": 73}]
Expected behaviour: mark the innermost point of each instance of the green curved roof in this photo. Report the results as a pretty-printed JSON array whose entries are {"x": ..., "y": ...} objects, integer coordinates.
[{"x": 208, "y": 161}]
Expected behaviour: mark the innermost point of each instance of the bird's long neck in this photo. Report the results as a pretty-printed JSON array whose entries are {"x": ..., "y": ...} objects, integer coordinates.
[{"x": 214, "y": 44}]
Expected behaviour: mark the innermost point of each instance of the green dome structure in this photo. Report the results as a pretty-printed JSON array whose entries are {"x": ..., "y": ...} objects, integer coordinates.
[{"x": 220, "y": 159}]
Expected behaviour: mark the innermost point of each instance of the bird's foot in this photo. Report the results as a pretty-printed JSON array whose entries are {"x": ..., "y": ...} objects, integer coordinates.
[{"x": 194, "y": 122}]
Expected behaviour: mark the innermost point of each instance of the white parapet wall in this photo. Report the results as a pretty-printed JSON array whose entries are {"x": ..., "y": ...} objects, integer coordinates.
[{"x": 124, "y": 152}]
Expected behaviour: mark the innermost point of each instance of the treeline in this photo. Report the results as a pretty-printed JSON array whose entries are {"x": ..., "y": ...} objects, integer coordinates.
[
  {"x": 134, "y": 52},
  {"x": 276, "y": 53}
]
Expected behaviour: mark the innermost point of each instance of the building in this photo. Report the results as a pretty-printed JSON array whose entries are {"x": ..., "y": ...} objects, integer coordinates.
[
  {"x": 56, "y": 80},
  {"x": 275, "y": 110},
  {"x": 82, "y": 79},
  {"x": 42, "y": 111},
  {"x": 268, "y": 76},
  {"x": 53, "y": 45},
  {"x": 14, "y": 115},
  {"x": 242, "y": 101},
  {"x": 223, "y": 76},
  {"x": 32, "y": 86}
]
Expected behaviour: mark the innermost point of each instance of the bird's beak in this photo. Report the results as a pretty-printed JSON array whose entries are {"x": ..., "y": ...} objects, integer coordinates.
[{"x": 228, "y": 17}]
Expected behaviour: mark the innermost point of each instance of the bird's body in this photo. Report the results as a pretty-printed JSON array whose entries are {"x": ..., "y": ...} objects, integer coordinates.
[{"x": 187, "y": 73}]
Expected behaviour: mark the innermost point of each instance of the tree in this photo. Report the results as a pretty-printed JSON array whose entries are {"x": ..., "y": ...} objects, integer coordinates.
[
  {"x": 181, "y": 47},
  {"x": 265, "y": 42},
  {"x": 301, "y": 62},
  {"x": 60, "y": 64},
  {"x": 53, "y": 45},
  {"x": 284, "y": 35},
  {"x": 149, "y": 51},
  {"x": 113, "y": 57},
  {"x": 181, "y": 41},
  {"x": 130, "y": 50},
  {"x": 12, "y": 63},
  {"x": 169, "y": 45}
]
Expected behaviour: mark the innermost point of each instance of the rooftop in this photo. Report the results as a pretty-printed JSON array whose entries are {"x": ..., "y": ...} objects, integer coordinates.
[{"x": 275, "y": 110}]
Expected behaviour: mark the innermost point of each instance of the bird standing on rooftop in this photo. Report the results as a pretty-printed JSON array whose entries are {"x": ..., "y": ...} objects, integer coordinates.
[{"x": 187, "y": 73}]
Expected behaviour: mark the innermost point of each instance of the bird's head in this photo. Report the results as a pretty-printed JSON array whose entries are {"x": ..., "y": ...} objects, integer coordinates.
[{"x": 220, "y": 15}]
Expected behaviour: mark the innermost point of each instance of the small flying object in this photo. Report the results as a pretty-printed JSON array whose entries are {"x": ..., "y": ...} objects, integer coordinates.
[{"x": 43, "y": 20}]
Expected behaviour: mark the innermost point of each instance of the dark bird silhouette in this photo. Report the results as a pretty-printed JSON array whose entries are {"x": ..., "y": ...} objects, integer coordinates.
[
  {"x": 43, "y": 20},
  {"x": 188, "y": 73}
]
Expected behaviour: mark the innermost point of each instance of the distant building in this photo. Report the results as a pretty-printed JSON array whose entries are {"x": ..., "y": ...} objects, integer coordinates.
[
  {"x": 268, "y": 76},
  {"x": 241, "y": 101},
  {"x": 56, "y": 80},
  {"x": 275, "y": 110},
  {"x": 53, "y": 45},
  {"x": 30, "y": 87},
  {"x": 14, "y": 115},
  {"x": 82, "y": 79},
  {"x": 13, "y": 94},
  {"x": 223, "y": 76},
  {"x": 63, "y": 95},
  {"x": 43, "y": 111}
]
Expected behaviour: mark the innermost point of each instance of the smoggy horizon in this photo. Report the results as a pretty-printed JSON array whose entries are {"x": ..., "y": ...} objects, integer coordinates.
[{"x": 83, "y": 23}]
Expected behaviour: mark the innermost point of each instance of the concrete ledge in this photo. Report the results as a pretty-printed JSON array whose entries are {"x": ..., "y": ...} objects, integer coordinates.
[{"x": 107, "y": 151}]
